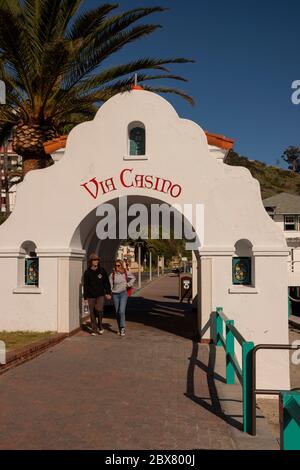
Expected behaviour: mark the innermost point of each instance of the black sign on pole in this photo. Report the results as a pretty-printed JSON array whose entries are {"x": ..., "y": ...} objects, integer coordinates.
[{"x": 185, "y": 288}]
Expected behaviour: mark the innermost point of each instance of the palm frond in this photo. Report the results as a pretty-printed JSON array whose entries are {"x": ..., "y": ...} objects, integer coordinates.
[
  {"x": 118, "y": 71},
  {"x": 171, "y": 90},
  {"x": 104, "y": 28},
  {"x": 7, "y": 115},
  {"x": 15, "y": 47},
  {"x": 49, "y": 19},
  {"x": 52, "y": 59},
  {"x": 86, "y": 23},
  {"x": 13, "y": 6},
  {"x": 92, "y": 56}
]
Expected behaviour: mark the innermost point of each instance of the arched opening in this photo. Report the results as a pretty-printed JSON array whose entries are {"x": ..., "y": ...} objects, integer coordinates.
[{"x": 166, "y": 311}]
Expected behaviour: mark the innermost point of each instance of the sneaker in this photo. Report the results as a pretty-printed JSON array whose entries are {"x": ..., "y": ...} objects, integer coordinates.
[
  {"x": 122, "y": 332},
  {"x": 101, "y": 331},
  {"x": 93, "y": 334}
]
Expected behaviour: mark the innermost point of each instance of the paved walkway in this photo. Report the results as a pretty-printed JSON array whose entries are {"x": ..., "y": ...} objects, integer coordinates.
[{"x": 148, "y": 390}]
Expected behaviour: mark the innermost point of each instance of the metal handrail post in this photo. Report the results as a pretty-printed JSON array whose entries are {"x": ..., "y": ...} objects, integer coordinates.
[
  {"x": 229, "y": 353},
  {"x": 247, "y": 359},
  {"x": 256, "y": 391},
  {"x": 219, "y": 326}
]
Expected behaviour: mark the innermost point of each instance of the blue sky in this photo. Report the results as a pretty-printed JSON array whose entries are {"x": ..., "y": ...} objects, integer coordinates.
[{"x": 247, "y": 55}]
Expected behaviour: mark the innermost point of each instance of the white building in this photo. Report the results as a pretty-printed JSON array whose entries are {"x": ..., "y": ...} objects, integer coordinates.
[
  {"x": 284, "y": 209},
  {"x": 126, "y": 253},
  {"x": 138, "y": 150}
]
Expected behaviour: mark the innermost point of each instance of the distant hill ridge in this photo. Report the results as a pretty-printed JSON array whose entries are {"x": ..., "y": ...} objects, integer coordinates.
[{"x": 272, "y": 180}]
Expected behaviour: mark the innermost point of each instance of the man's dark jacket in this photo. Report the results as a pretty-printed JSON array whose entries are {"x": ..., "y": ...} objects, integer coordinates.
[{"x": 95, "y": 283}]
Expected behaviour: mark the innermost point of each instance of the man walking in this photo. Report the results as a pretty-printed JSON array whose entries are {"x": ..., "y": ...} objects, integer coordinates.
[{"x": 96, "y": 287}]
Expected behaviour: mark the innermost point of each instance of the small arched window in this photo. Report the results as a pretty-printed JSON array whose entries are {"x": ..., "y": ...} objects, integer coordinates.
[{"x": 137, "y": 139}]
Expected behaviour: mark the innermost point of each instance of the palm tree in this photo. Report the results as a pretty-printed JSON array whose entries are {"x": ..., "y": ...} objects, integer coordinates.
[
  {"x": 52, "y": 59},
  {"x": 166, "y": 247}
]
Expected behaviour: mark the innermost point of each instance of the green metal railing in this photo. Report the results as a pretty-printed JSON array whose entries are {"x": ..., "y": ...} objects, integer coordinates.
[
  {"x": 289, "y": 407},
  {"x": 290, "y": 401},
  {"x": 256, "y": 391},
  {"x": 244, "y": 373}
]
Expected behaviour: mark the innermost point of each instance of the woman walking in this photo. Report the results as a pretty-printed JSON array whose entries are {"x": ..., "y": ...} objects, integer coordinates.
[
  {"x": 96, "y": 289},
  {"x": 121, "y": 282}
]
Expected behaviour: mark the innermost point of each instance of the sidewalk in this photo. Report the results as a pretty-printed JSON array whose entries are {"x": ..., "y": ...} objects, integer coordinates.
[{"x": 148, "y": 390}]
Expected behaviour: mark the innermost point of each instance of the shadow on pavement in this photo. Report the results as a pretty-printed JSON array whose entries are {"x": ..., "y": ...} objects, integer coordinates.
[
  {"x": 211, "y": 403},
  {"x": 173, "y": 317}
]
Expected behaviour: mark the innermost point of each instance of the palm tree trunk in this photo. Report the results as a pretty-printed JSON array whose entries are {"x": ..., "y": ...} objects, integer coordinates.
[
  {"x": 28, "y": 142},
  {"x": 30, "y": 164}
]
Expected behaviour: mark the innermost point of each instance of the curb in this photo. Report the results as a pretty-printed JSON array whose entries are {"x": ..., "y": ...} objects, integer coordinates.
[{"x": 20, "y": 356}]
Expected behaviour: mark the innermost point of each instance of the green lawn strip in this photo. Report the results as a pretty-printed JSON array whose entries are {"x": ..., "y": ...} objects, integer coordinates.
[{"x": 19, "y": 339}]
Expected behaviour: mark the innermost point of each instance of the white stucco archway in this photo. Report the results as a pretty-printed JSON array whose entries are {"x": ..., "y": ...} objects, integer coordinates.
[
  {"x": 52, "y": 203},
  {"x": 85, "y": 238}
]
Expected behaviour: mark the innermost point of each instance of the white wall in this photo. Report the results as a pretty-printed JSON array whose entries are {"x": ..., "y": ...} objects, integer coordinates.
[
  {"x": 69, "y": 292},
  {"x": 75, "y": 293},
  {"x": 35, "y": 310},
  {"x": 255, "y": 312}
]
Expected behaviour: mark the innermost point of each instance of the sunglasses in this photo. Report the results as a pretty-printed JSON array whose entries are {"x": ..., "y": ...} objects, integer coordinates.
[{"x": 117, "y": 265}]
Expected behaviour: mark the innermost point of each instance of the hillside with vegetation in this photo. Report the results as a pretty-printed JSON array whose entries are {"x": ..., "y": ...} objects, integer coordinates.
[{"x": 272, "y": 180}]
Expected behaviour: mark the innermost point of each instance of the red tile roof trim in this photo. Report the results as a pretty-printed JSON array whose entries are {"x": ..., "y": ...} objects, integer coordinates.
[
  {"x": 212, "y": 139},
  {"x": 137, "y": 87},
  {"x": 55, "y": 144},
  {"x": 219, "y": 141}
]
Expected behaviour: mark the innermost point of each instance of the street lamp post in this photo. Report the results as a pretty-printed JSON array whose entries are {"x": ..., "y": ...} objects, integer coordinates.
[
  {"x": 150, "y": 265},
  {"x": 2, "y": 92},
  {"x": 139, "y": 266}
]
